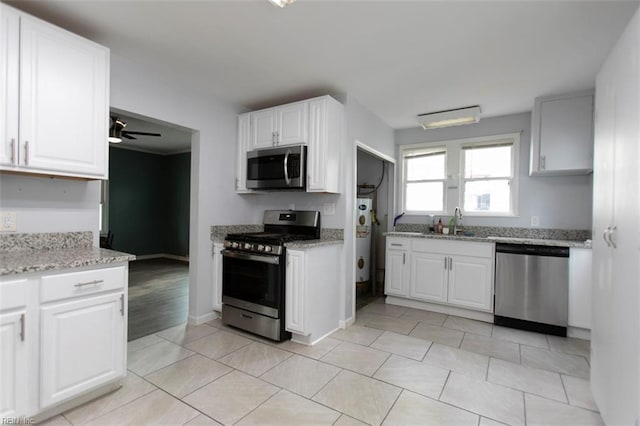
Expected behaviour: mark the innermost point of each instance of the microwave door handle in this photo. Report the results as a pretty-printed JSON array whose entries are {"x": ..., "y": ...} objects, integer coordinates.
[
  {"x": 286, "y": 168},
  {"x": 274, "y": 260}
]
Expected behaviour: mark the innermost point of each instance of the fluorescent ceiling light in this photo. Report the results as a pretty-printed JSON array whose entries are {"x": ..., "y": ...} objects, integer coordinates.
[
  {"x": 450, "y": 117},
  {"x": 282, "y": 3}
]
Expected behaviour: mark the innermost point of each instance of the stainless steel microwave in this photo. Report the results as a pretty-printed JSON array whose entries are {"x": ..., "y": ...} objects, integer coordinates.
[{"x": 282, "y": 168}]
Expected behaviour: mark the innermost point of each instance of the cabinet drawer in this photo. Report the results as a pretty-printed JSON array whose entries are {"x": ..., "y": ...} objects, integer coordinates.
[
  {"x": 13, "y": 294},
  {"x": 398, "y": 243},
  {"x": 62, "y": 286}
]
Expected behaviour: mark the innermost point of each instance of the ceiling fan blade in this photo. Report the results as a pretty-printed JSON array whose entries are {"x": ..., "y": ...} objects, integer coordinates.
[
  {"x": 141, "y": 133},
  {"x": 127, "y": 136}
]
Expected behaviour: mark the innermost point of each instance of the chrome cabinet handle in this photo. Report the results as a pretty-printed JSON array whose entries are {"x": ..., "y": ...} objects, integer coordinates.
[
  {"x": 611, "y": 231},
  {"x": 122, "y": 304},
  {"x": 26, "y": 153},
  {"x": 22, "y": 327},
  {"x": 396, "y": 245},
  {"x": 403, "y": 258},
  {"x": 604, "y": 236},
  {"x": 450, "y": 263},
  {"x": 13, "y": 151},
  {"x": 445, "y": 263},
  {"x": 94, "y": 282},
  {"x": 543, "y": 162}
]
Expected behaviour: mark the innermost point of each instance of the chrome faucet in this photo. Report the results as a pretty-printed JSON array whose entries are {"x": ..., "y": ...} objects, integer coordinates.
[{"x": 457, "y": 215}]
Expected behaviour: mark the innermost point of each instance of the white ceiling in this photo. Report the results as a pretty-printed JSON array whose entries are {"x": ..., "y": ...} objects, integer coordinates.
[{"x": 398, "y": 58}]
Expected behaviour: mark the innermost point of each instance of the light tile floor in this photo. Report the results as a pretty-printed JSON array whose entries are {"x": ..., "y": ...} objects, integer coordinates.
[{"x": 395, "y": 366}]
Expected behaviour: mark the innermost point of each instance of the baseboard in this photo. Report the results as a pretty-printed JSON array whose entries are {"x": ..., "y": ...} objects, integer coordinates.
[
  {"x": 443, "y": 309},
  {"x": 201, "y": 319},
  {"x": 163, "y": 256},
  {"x": 579, "y": 333},
  {"x": 346, "y": 323},
  {"x": 306, "y": 340}
]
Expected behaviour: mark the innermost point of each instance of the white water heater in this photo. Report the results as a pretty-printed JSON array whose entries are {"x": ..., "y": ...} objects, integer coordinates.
[{"x": 363, "y": 239}]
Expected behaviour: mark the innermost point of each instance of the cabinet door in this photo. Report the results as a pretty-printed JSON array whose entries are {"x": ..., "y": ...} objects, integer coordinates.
[
  {"x": 428, "y": 277},
  {"x": 395, "y": 281},
  {"x": 9, "y": 79},
  {"x": 580, "y": 278},
  {"x": 64, "y": 101},
  {"x": 316, "y": 149},
  {"x": 217, "y": 277},
  {"x": 292, "y": 127},
  {"x": 82, "y": 346},
  {"x": 562, "y": 135},
  {"x": 295, "y": 293},
  {"x": 244, "y": 128},
  {"x": 471, "y": 282},
  {"x": 263, "y": 128},
  {"x": 13, "y": 365}
]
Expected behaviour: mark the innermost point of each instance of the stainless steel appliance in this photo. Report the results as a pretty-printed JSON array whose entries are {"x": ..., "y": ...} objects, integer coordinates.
[
  {"x": 253, "y": 272},
  {"x": 532, "y": 287},
  {"x": 277, "y": 168}
]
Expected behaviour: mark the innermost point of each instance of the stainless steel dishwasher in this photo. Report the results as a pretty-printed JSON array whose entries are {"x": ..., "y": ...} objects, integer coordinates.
[{"x": 532, "y": 287}]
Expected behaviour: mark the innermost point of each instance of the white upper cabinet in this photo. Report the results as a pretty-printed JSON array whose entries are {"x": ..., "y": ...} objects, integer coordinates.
[
  {"x": 316, "y": 123},
  {"x": 58, "y": 123},
  {"x": 562, "y": 135},
  {"x": 283, "y": 125}
]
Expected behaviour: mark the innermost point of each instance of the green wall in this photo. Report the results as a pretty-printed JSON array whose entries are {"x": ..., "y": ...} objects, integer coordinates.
[{"x": 149, "y": 202}]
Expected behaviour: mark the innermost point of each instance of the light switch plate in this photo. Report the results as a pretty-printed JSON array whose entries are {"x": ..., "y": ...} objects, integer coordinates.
[
  {"x": 8, "y": 221},
  {"x": 535, "y": 220}
]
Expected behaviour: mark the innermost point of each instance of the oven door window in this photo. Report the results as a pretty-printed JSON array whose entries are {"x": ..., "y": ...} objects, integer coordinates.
[{"x": 252, "y": 281}]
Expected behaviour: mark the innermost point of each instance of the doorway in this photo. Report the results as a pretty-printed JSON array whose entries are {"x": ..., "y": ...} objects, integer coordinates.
[
  {"x": 374, "y": 204},
  {"x": 146, "y": 205}
]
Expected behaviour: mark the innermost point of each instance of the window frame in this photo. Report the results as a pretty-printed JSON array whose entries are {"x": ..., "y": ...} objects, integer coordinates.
[
  {"x": 434, "y": 148},
  {"x": 454, "y": 179},
  {"x": 512, "y": 139}
]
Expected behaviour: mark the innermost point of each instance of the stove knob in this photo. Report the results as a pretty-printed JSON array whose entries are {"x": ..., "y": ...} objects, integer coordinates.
[
  {"x": 268, "y": 249},
  {"x": 261, "y": 247},
  {"x": 247, "y": 246},
  {"x": 234, "y": 245}
]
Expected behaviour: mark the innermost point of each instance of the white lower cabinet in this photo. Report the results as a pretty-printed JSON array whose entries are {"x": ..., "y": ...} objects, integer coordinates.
[
  {"x": 82, "y": 346},
  {"x": 312, "y": 292},
  {"x": 580, "y": 282},
  {"x": 456, "y": 273},
  {"x": 396, "y": 267},
  {"x": 217, "y": 276},
  {"x": 62, "y": 334}
]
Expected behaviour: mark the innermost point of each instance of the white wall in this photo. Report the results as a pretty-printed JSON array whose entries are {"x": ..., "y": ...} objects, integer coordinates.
[
  {"x": 51, "y": 204},
  {"x": 367, "y": 128},
  {"x": 213, "y": 200},
  {"x": 559, "y": 201}
]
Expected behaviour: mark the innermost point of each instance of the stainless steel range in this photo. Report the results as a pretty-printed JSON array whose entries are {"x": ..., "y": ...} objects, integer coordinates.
[{"x": 253, "y": 272}]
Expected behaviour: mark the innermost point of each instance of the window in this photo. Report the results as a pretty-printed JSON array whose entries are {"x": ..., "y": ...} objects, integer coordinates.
[
  {"x": 487, "y": 181},
  {"x": 478, "y": 174},
  {"x": 424, "y": 179}
]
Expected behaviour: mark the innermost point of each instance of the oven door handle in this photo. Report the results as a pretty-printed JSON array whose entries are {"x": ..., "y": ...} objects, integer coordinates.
[{"x": 274, "y": 260}]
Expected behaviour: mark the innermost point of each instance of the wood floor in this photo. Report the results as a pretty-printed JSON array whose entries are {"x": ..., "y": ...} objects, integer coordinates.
[{"x": 158, "y": 295}]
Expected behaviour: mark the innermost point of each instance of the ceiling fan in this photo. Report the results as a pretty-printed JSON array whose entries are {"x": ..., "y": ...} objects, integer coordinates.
[{"x": 117, "y": 132}]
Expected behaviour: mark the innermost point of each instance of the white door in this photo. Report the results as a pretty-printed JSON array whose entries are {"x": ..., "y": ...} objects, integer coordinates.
[
  {"x": 428, "y": 277},
  {"x": 615, "y": 333},
  {"x": 13, "y": 365},
  {"x": 317, "y": 146},
  {"x": 263, "y": 128},
  {"x": 9, "y": 79},
  {"x": 292, "y": 124},
  {"x": 471, "y": 282},
  {"x": 395, "y": 282},
  {"x": 64, "y": 101},
  {"x": 82, "y": 346}
]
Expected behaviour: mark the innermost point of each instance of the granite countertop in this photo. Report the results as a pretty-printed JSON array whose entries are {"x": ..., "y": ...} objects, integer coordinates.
[
  {"x": 19, "y": 262},
  {"x": 24, "y": 253},
  {"x": 495, "y": 238}
]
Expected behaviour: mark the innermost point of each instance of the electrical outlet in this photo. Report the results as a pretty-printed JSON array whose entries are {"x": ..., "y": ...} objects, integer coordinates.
[
  {"x": 8, "y": 221},
  {"x": 535, "y": 220},
  {"x": 329, "y": 209}
]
